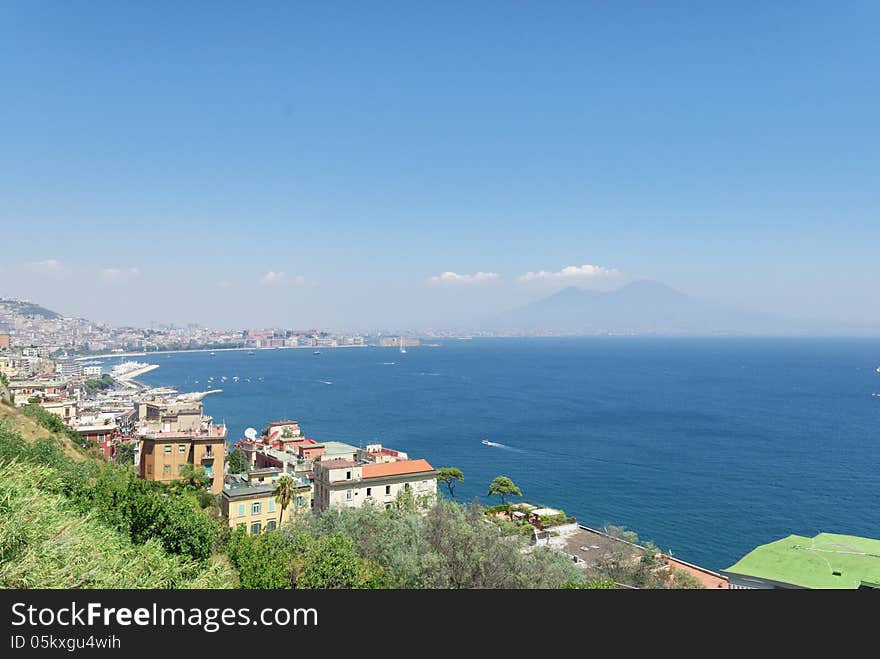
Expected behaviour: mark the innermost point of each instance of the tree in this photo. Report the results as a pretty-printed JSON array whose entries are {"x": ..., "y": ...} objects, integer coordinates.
[
  {"x": 449, "y": 476},
  {"x": 263, "y": 561},
  {"x": 503, "y": 487},
  {"x": 125, "y": 453},
  {"x": 238, "y": 463},
  {"x": 284, "y": 492},
  {"x": 191, "y": 478},
  {"x": 332, "y": 562}
]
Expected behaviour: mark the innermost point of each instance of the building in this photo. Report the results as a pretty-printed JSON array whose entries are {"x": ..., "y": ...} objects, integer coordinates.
[
  {"x": 377, "y": 453},
  {"x": 67, "y": 367},
  {"x": 4, "y": 342},
  {"x": 94, "y": 371},
  {"x": 283, "y": 430},
  {"x": 66, "y": 409},
  {"x": 22, "y": 390},
  {"x": 165, "y": 454},
  {"x": 162, "y": 416},
  {"x": 350, "y": 484},
  {"x": 337, "y": 451},
  {"x": 250, "y": 503},
  {"x": 828, "y": 560}
]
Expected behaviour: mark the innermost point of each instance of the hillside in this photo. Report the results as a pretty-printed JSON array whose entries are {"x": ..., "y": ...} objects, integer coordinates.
[
  {"x": 68, "y": 521},
  {"x": 30, "y": 431},
  {"x": 22, "y": 308}
]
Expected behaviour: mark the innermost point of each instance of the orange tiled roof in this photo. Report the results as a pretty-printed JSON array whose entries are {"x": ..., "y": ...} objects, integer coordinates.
[{"x": 396, "y": 468}]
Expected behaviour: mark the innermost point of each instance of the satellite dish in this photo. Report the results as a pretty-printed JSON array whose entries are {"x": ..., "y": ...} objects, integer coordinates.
[{"x": 251, "y": 434}]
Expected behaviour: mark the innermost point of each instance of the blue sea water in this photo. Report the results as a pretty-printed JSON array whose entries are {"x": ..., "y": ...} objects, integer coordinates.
[{"x": 709, "y": 447}]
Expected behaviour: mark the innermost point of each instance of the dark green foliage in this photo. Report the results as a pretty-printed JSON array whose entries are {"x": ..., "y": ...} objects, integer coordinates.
[
  {"x": 332, "y": 562},
  {"x": 503, "y": 487},
  {"x": 263, "y": 561},
  {"x": 449, "y": 476},
  {"x": 100, "y": 384},
  {"x": 452, "y": 546},
  {"x": 146, "y": 510},
  {"x": 237, "y": 461},
  {"x": 125, "y": 453}
]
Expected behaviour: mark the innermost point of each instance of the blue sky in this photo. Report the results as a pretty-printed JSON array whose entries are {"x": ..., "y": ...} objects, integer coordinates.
[{"x": 166, "y": 161}]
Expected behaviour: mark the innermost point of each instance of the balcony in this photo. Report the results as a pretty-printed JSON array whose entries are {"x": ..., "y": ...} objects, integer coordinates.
[{"x": 208, "y": 456}]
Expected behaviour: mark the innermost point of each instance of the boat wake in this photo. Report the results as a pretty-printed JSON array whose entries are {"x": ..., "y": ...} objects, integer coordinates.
[
  {"x": 388, "y": 363},
  {"x": 486, "y": 442},
  {"x": 325, "y": 381}
]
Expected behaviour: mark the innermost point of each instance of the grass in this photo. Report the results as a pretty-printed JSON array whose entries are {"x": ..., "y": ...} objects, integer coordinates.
[
  {"x": 31, "y": 431},
  {"x": 45, "y": 543}
]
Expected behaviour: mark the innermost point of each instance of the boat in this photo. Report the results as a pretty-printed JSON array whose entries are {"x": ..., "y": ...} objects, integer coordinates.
[
  {"x": 402, "y": 344},
  {"x": 250, "y": 352},
  {"x": 212, "y": 353},
  {"x": 317, "y": 352}
]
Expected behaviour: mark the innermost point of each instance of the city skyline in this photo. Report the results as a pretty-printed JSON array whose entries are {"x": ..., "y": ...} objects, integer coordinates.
[{"x": 350, "y": 166}]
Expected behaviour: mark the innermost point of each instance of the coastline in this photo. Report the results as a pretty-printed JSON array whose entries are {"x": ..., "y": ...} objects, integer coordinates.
[{"x": 109, "y": 355}]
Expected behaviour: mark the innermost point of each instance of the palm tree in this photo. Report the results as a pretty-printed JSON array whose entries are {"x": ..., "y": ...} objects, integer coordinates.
[{"x": 284, "y": 490}]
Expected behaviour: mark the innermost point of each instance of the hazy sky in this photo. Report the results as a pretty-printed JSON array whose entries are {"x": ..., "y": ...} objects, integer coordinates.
[{"x": 249, "y": 164}]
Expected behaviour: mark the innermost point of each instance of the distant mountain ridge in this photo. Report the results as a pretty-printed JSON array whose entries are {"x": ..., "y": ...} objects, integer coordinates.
[{"x": 643, "y": 307}]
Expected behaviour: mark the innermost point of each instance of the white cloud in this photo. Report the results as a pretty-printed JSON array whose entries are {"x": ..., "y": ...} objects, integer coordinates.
[
  {"x": 119, "y": 274},
  {"x": 273, "y": 278},
  {"x": 455, "y": 278},
  {"x": 49, "y": 265},
  {"x": 573, "y": 272}
]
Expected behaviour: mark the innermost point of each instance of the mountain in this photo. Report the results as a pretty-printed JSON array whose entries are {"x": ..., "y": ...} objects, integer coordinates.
[
  {"x": 644, "y": 306},
  {"x": 26, "y": 308}
]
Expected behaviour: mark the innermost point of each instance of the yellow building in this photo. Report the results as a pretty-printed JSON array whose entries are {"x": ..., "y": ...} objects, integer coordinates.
[
  {"x": 250, "y": 504},
  {"x": 165, "y": 455}
]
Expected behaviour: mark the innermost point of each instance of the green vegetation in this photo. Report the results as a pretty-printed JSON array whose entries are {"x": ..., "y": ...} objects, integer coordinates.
[
  {"x": 237, "y": 461},
  {"x": 55, "y": 424},
  {"x": 639, "y": 566},
  {"x": 67, "y": 523},
  {"x": 101, "y": 384},
  {"x": 125, "y": 453},
  {"x": 264, "y": 561},
  {"x": 448, "y": 476},
  {"x": 284, "y": 492},
  {"x": 452, "y": 546},
  {"x": 503, "y": 487}
]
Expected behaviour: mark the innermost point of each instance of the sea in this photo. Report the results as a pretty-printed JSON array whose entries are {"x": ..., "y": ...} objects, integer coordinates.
[{"x": 707, "y": 447}]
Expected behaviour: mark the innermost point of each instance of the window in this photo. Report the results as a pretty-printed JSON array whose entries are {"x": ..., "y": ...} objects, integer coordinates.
[
  {"x": 387, "y": 489},
  {"x": 241, "y": 510},
  {"x": 387, "y": 506},
  {"x": 166, "y": 470},
  {"x": 255, "y": 528},
  {"x": 369, "y": 491},
  {"x": 167, "y": 448},
  {"x": 256, "y": 508},
  {"x": 180, "y": 468},
  {"x": 348, "y": 495},
  {"x": 299, "y": 502},
  {"x": 181, "y": 448},
  {"x": 348, "y": 475},
  {"x": 271, "y": 507},
  {"x": 270, "y": 525}
]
